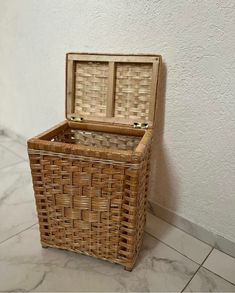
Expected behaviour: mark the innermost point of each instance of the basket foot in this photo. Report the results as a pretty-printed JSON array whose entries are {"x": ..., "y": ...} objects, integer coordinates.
[
  {"x": 129, "y": 269},
  {"x": 44, "y": 246}
]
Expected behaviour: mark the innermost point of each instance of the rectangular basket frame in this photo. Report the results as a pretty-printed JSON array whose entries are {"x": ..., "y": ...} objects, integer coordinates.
[{"x": 47, "y": 157}]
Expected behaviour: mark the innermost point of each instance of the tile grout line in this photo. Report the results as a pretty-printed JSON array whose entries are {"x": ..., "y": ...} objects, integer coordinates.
[
  {"x": 13, "y": 136},
  {"x": 173, "y": 225},
  {"x": 11, "y": 151},
  {"x": 168, "y": 222},
  {"x": 219, "y": 276},
  {"x": 13, "y": 164},
  {"x": 197, "y": 270},
  {"x": 12, "y": 236},
  {"x": 200, "y": 265},
  {"x": 173, "y": 247}
]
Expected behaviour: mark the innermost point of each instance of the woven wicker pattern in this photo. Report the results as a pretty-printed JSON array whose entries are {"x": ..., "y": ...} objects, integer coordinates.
[
  {"x": 98, "y": 139},
  {"x": 96, "y": 208},
  {"x": 91, "y": 81},
  {"x": 133, "y": 89},
  {"x": 131, "y": 95}
]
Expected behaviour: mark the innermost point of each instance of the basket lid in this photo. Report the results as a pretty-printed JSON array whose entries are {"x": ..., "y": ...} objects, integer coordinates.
[{"x": 120, "y": 89}]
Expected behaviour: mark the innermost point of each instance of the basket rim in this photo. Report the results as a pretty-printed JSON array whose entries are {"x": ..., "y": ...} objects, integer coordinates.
[{"x": 42, "y": 142}]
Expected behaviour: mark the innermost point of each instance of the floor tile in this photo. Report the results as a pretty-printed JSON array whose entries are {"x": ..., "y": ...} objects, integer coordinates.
[
  {"x": 177, "y": 239},
  {"x": 24, "y": 265},
  {"x": 17, "y": 207},
  {"x": 185, "y": 225},
  {"x": 8, "y": 158},
  {"x": 4, "y": 138},
  {"x": 221, "y": 264},
  {"x": 206, "y": 281},
  {"x": 14, "y": 146}
]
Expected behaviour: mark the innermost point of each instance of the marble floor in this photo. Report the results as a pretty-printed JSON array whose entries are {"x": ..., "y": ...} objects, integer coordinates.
[{"x": 170, "y": 259}]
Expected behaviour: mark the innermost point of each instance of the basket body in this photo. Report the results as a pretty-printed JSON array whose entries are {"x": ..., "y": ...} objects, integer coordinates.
[{"x": 86, "y": 201}]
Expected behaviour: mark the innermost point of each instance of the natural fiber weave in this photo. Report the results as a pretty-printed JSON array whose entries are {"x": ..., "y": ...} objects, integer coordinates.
[
  {"x": 98, "y": 139},
  {"x": 132, "y": 92},
  {"x": 91, "y": 82},
  {"x": 96, "y": 207}
]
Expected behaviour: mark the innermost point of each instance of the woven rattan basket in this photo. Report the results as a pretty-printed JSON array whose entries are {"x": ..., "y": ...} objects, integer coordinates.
[{"x": 90, "y": 172}]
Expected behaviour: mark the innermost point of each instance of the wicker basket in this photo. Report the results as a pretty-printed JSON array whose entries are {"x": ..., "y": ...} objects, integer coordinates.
[{"x": 90, "y": 172}]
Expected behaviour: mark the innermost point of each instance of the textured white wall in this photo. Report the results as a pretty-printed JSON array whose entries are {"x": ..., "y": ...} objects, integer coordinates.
[{"x": 194, "y": 173}]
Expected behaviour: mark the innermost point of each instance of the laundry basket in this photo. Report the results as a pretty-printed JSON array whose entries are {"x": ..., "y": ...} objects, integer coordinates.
[{"x": 90, "y": 172}]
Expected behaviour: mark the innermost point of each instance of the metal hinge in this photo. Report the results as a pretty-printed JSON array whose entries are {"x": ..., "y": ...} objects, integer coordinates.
[
  {"x": 140, "y": 125},
  {"x": 135, "y": 124},
  {"x": 76, "y": 119}
]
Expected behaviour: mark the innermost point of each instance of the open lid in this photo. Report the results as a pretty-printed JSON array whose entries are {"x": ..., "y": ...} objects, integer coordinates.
[{"x": 120, "y": 89}]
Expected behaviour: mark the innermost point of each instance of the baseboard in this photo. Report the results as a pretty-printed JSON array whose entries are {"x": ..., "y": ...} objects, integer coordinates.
[{"x": 199, "y": 232}]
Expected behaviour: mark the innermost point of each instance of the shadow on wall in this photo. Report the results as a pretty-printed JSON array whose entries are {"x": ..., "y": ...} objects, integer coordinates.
[{"x": 163, "y": 186}]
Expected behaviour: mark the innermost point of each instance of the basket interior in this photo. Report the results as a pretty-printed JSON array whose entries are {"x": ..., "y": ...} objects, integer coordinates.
[{"x": 97, "y": 139}]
